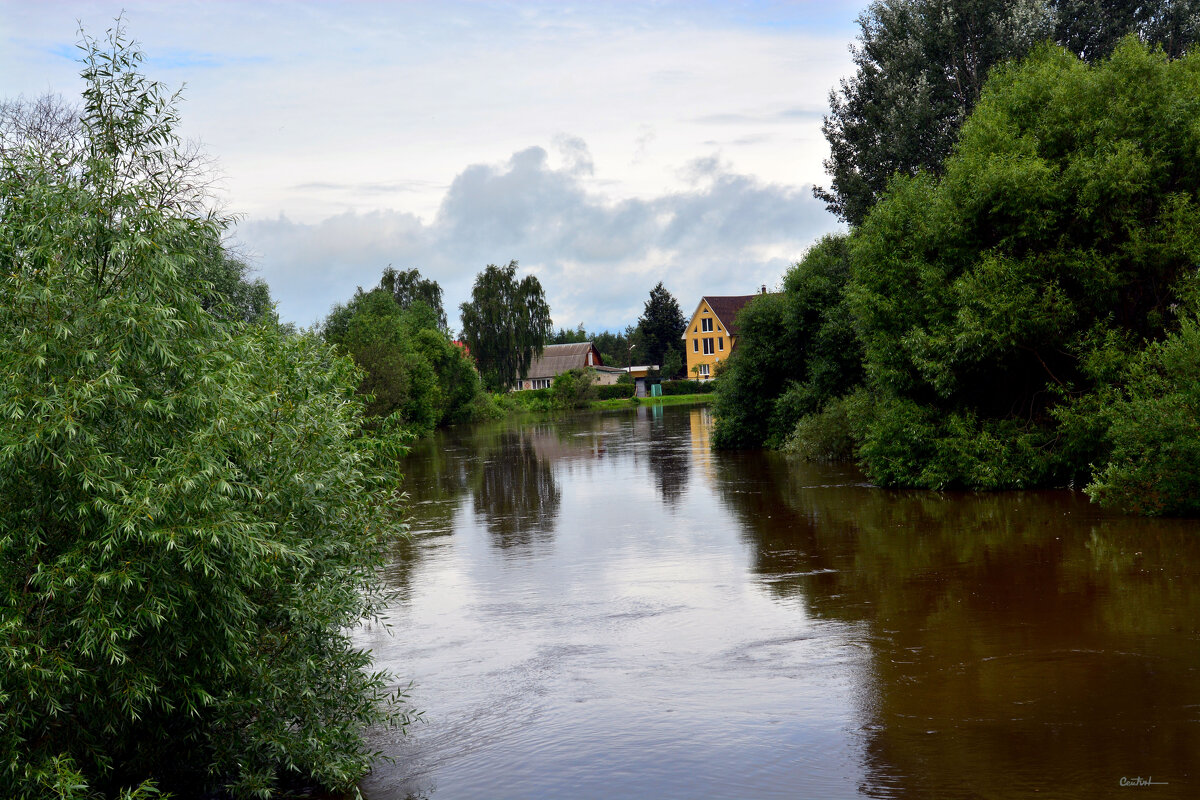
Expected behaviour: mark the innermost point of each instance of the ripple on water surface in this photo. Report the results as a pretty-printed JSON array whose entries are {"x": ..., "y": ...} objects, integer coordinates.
[{"x": 602, "y": 607}]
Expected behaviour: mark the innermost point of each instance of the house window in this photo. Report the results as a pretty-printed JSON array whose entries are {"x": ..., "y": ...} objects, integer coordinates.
[
  {"x": 704, "y": 370},
  {"x": 706, "y": 324},
  {"x": 708, "y": 346},
  {"x": 695, "y": 345},
  {"x": 589, "y": 358},
  {"x": 540, "y": 383}
]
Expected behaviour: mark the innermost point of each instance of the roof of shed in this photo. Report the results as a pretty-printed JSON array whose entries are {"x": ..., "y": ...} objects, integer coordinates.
[{"x": 558, "y": 358}]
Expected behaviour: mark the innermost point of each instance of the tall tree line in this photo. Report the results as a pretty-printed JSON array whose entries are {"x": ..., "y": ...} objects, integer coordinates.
[
  {"x": 921, "y": 66},
  {"x": 1027, "y": 316}
]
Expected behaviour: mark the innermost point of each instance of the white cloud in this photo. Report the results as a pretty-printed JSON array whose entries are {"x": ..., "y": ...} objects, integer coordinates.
[
  {"x": 597, "y": 259},
  {"x": 344, "y": 131}
]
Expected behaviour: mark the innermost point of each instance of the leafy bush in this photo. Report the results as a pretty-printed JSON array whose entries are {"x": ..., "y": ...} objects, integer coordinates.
[
  {"x": 824, "y": 436},
  {"x": 685, "y": 387},
  {"x": 190, "y": 517},
  {"x": 522, "y": 400},
  {"x": 1065, "y": 220},
  {"x": 1154, "y": 428},
  {"x": 614, "y": 391},
  {"x": 412, "y": 368},
  {"x": 574, "y": 388},
  {"x": 795, "y": 352}
]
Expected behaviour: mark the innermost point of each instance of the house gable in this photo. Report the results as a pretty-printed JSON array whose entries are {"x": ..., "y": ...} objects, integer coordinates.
[{"x": 712, "y": 332}]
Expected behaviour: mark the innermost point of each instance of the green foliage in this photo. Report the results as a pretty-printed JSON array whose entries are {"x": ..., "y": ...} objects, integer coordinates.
[
  {"x": 795, "y": 351},
  {"x": 226, "y": 289},
  {"x": 407, "y": 288},
  {"x": 1154, "y": 427},
  {"x": 614, "y": 390},
  {"x": 990, "y": 300},
  {"x": 824, "y": 436},
  {"x": 672, "y": 364},
  {"x": 524, "y": 400},
  {"x": 399, "y": 379},
  {"x": 1091, "y": 29},
  {"x": 922, "y": 65},
  {"x": 574, "y": 388},
  {"x": 412, "y": 368},
  {"x": 662, "y": 325},
  {"x": 506, "y": 324},
  {"x": 685, "y": 387},
  {"x": 190, "y": 519},
  {"x": 569, "y": 336}
]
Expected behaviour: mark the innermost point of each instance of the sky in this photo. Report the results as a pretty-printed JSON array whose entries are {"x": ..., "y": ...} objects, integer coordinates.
[{"x": 604, "y": 146}]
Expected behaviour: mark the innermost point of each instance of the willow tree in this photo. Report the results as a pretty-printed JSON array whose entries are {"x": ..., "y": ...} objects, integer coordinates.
[
  {"x": 190, "y": 522},
  {"x": 506, "y": 324}
]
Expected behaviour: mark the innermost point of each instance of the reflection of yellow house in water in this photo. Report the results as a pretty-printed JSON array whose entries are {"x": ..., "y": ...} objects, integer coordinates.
[
  {"x": 711, "y": 334},
  {"x": 701, "y": 423}
]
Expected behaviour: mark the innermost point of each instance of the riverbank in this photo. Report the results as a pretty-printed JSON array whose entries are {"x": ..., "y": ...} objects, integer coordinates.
[
  {"x": 540, "y": 401},
  {"x": 670, "y": 400}
]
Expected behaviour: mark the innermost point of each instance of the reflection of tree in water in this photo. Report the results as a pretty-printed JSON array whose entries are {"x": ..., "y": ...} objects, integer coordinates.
[
  {"x": 668, "y": 456},
  {"x": 1011, "y": 636},
  {"x": 437, "y": 472},
  {"x": 517, "y": 494}
]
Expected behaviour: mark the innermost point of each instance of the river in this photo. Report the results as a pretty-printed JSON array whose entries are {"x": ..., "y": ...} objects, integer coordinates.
[{"x": 601, "y": 607}]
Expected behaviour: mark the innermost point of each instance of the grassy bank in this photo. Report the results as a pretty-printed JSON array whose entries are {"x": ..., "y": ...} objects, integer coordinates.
[
  {"x": 540, "y": 400},
  {"x": 671, "y": 400}
]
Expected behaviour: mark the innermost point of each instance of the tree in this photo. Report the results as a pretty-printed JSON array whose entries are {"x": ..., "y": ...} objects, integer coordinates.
[
  {"x": 672, "y": 365},
  {"x": 45, "y": 137},
  {"x": 921, "y": 65},
  {"x": 505, "y": 325},
  {"x": 568, "y": 336},
  {"x": 190, "y": 518},
  {"x": 992, "y": 303},
  {"x": 661, "y": 325},
  {"x": 407, "y": 286},
  {"x": 1152, "y": 426},
  {"x": 1091, "y": 29},
  {"x": 397, "y": 379},
  {"x": 226, "y": 289},
  {"x": 412, "y": 368},
  {"x": 796, "y": 352},
  {"x": 574, "y": 388}
]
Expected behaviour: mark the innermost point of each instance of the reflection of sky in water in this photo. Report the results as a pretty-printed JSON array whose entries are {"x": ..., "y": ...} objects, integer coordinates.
[
  {"x": 640, "y": 617},
  {"x": 625, "y": 655}
]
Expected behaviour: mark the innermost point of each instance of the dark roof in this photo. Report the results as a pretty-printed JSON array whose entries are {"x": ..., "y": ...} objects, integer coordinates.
[
  {"x": 727, "y": 308},
  {"x": 558, "y": 358}
]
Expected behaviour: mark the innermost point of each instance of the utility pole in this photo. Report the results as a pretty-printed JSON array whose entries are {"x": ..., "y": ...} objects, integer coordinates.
[{"x": 629, "y": 368}]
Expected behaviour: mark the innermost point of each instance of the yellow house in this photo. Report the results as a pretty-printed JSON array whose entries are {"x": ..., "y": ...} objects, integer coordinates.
[{"x": 711, "y": 334}]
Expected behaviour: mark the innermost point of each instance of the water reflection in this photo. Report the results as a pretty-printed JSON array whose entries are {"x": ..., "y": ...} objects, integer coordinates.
[
  {"x": 1020, "y": 643},
  {"x": 517, "y": 494},
  {"x": 666, "y": 455},
  {"x": 682, "y": 624}
]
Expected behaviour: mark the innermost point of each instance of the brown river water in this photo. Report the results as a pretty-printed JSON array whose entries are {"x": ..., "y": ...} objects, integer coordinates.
[{"x": 599, "y": 606}]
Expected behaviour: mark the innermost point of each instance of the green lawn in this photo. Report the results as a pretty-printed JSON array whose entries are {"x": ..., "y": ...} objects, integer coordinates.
[{"x": 670, "y": 400}]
